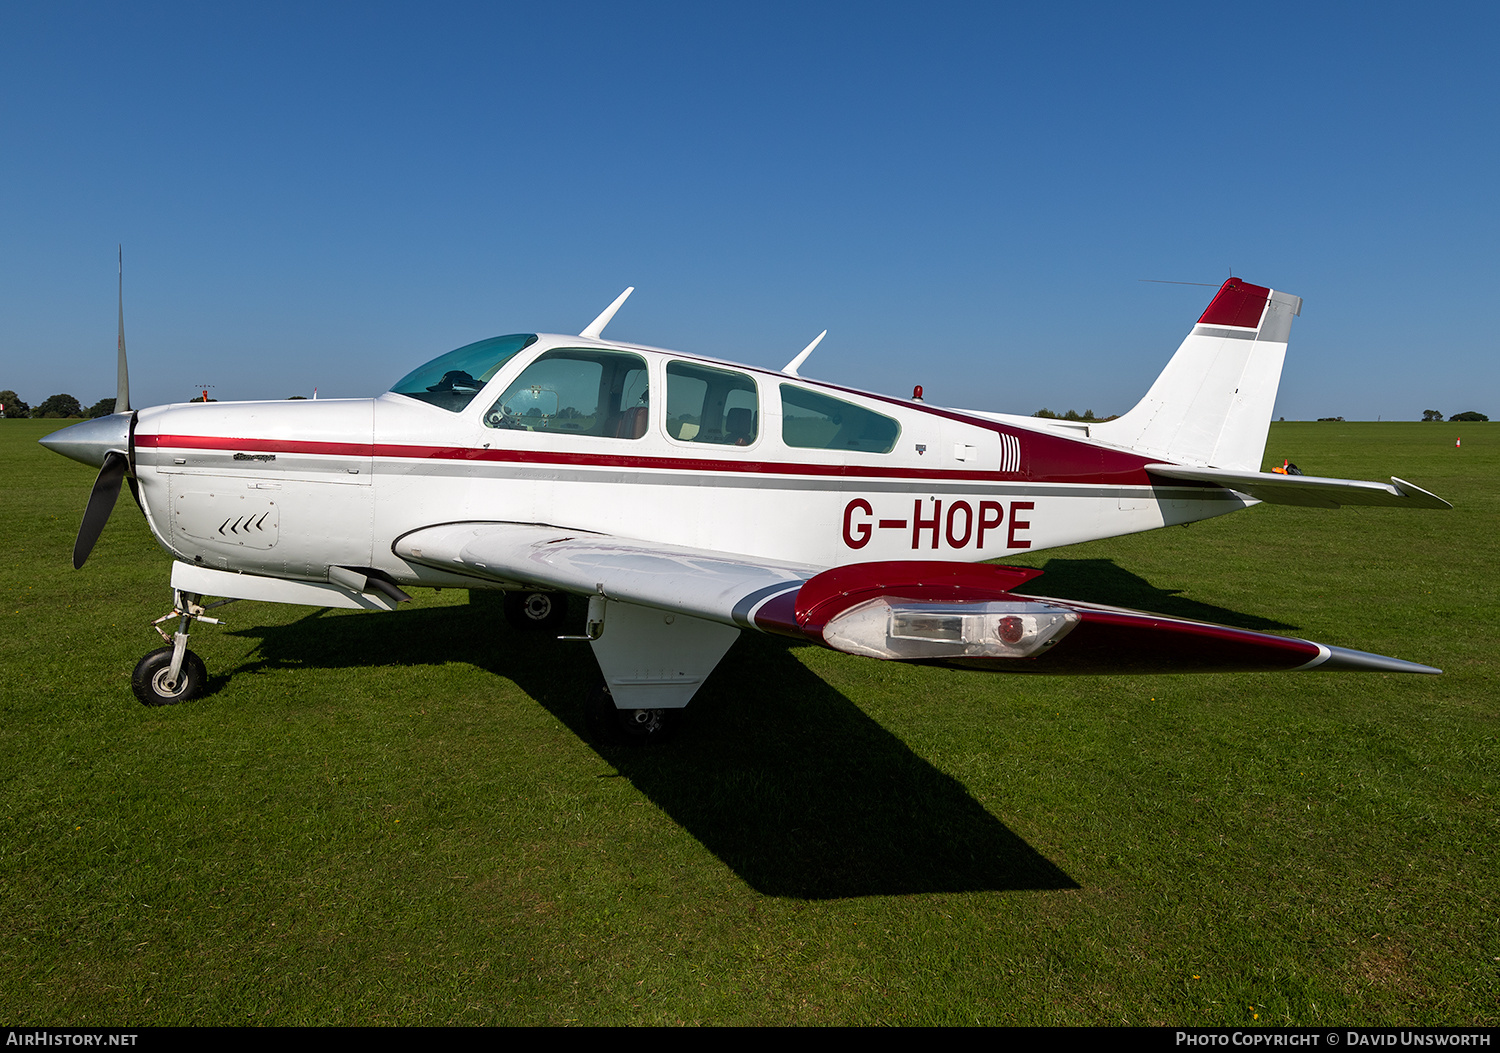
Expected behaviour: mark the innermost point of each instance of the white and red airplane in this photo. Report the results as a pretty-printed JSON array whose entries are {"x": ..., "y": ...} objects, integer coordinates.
[{"x": 691, "y": 499}]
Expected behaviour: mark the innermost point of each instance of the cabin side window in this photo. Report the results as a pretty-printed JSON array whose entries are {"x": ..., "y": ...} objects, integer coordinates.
[
  {"x": 577, "y": 391},
  {"x": 717, "y": 406},
  {"x": 811, "y": 420}
]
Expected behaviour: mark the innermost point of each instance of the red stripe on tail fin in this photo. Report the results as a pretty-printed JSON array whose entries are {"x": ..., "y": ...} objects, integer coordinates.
[{"x": 1238, "y": 303}]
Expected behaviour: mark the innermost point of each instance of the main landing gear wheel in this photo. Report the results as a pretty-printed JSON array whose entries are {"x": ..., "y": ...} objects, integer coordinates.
[
  {"x": 532, "y": 612},
  {"x": 151, "y": 684},
  {"x": 631, "y": 727}
]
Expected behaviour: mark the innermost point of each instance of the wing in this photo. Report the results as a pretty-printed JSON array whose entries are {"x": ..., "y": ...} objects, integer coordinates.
[
  {"x": 741, "y": 591},
  {"x": 660, "y": 616},
  {"x": 1307, "y": 490},
  {"x": 714, "y": 586},
  {"x": 963, "y": 614}
]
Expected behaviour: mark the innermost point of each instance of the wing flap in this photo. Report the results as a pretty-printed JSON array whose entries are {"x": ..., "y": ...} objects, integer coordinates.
[
  {"x": 720, "y": 587},
  {"x": 1307, "y": 490}
]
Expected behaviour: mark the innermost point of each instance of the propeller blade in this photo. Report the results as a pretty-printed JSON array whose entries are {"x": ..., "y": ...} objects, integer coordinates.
[
  {"x": 101, "y": 503},
  {"x": 122, "y": 374}
]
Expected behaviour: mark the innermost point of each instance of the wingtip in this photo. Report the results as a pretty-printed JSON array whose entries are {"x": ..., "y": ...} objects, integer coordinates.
[
  {"x": 1419, "y": 497},
  {"x": 1344, "y": 659}
]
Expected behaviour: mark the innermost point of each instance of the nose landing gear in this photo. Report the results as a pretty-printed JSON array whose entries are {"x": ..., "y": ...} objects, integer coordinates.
[
  {"x": 155, "y": 684},
  {"x": 173, "y": 674}
]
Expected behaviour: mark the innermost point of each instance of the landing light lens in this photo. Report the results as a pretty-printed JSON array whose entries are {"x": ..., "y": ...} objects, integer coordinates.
[
  {"x": 888, "y": 627},
  {"x": 920, "y": 626}
]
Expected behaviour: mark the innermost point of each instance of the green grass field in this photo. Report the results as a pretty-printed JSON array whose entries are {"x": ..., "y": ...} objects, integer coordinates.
[{"x": 397, "y": 818}]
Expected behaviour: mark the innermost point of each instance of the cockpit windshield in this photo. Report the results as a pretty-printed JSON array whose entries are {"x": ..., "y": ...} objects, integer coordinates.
[{"x": 451, "y": 381}]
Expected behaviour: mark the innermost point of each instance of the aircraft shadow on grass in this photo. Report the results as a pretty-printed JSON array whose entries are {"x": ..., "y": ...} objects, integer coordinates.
[
  {"x": 783, "y": 778},
  {"x": 1102, "y": 581}
]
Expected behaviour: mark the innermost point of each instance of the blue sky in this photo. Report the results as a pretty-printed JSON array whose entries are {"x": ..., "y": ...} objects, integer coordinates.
[{"x": 966, "y": 196}]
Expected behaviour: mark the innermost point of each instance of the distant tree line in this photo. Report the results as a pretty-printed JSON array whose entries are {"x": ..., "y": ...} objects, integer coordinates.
[
  {"x": 1087, "y": 415},
  {"x": 62, "y": 406},
  {"x": 53, "y": 407},
  {"x": 1467, "y": 415}
]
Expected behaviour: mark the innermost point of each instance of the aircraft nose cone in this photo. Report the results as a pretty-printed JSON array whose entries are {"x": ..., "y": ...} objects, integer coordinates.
[{"x": 88, "y": 441}]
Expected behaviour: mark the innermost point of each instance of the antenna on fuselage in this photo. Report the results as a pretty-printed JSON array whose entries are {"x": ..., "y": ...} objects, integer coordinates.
[
  {"x": 790, "y": 369},
  {"x": 594, "y": 329}
]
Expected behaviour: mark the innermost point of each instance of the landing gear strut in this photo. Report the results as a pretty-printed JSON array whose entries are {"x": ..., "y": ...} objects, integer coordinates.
[
  {"x": 631, "y": 727},
  {"x": 174, "y": 674}
]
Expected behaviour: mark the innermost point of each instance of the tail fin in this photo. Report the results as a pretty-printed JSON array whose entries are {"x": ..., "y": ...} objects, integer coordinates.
[{"x": 1212, "y": 404}]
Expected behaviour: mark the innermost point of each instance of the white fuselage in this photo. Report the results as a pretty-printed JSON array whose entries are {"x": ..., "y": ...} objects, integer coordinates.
[{"x": 288, "y": 489}]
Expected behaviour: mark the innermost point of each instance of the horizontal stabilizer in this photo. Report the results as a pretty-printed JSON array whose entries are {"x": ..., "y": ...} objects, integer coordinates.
[{"x": 1307, "y": 490}]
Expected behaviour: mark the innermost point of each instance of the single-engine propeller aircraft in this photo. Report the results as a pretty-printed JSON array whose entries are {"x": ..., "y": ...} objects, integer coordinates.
[{"x": 690, "y": 499}]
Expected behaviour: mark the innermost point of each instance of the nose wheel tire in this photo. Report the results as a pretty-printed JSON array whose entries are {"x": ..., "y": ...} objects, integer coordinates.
[
  {"x": 152, "y": 686},
  {"x": 531, "y": 612},
  {"x": 629, "y": 727}
]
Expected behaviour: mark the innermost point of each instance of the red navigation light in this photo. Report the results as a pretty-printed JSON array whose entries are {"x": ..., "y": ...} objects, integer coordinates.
[{"x": 1011, "y": 629}]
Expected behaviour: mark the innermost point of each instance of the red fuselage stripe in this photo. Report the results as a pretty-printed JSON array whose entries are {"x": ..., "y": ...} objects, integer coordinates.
[{"x": 1125, "y": 474}]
